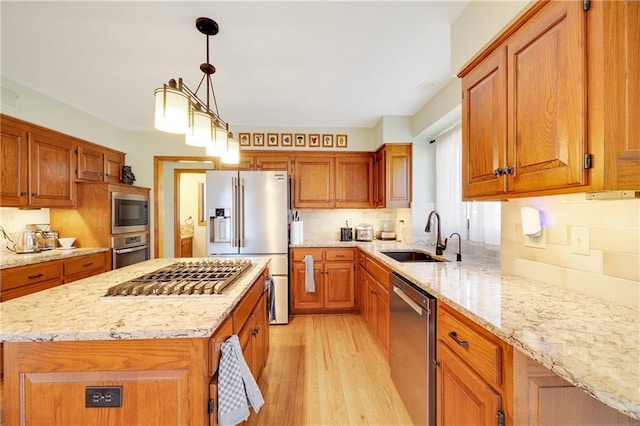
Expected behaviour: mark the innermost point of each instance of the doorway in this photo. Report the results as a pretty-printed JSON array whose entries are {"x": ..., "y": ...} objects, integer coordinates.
[{"x": 167, "y": 200}]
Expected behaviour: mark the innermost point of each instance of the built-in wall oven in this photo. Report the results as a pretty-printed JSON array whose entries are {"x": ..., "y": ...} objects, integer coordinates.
[
  {"x": 129, "y": 212},
  {"x": 129, "y": 249},
  {"x": 412, "y": 348}
]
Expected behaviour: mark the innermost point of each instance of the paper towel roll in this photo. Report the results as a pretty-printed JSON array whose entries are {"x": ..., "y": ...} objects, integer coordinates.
[{"x": 296, "y": 232}]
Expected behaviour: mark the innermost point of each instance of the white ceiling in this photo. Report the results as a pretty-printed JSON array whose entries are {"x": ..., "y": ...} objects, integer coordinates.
[{"x": 301, "y": 64}]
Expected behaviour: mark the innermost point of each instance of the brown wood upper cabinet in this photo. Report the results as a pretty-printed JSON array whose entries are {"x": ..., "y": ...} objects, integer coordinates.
[
  {"x": 38, "y": 166},
  {"x": 260, "y": 160},
  {"x": 539, "y": 103},
  {"x": 333, "y": 181},
  {"x": 98, "y": 164},
  {"x": 392, "y": 181}
]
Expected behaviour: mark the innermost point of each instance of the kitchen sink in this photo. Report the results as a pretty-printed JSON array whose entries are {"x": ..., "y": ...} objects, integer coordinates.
[{"x": 412, "y": 256}]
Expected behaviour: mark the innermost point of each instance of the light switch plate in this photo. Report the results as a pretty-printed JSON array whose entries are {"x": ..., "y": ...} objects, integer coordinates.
[
  {"x": 536, "y": 241},
  {"x": 580, "y": 240}
]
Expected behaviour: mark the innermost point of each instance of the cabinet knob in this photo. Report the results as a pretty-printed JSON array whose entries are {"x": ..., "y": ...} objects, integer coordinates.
[
  {"x": 23, "y": 194},
  {"x": 509, "y": 170},
  {"x": 34, "y": 194},
  {"x": 498, "y": 172}
]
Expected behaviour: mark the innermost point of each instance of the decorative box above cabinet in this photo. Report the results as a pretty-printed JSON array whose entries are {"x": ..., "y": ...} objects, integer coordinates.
[{"x": 547, "y": 110}]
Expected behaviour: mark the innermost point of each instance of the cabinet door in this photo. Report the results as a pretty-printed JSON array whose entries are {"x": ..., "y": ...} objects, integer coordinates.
[
  {"x": 52, "y": 164},
  {"x": 273, "y": 162},
  {"x": 382, "y": 318},
  {"x": 379, "y": 178},
  {"x": 314, "y": 182},
  {"x": 462, "y": 397},
  {"x": 13, "y": 165},
  {"x": 354, "y": 182},
  {"x": 90, "y": 163},
  {"x": 622, "y": 93},
  {"x": 113, "y": 163},
  {"x": 339, "y": 291},
  {"x": 259, "y": 337},
  {"x": 547, "y": 100},
  {"x": 370, "y": 301},
  {"x": 301, "y": 299},
  {"x": 398, "y": 176},
  {"x": 484, "y": 120}
]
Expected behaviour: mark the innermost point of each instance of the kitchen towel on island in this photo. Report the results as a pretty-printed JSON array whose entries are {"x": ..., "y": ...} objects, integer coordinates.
[
  {"x": 271, "y": 299},
  {"x": 237, "y": 389},
  {"x": 309, "y": 280}
]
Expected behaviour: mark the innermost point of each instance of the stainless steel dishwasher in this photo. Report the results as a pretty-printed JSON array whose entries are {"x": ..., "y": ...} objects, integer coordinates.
[{"x": 413, "y": 348}]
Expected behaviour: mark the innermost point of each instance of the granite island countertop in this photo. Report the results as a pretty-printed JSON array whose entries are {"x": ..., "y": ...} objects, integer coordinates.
[
  {"x": 78, "y": 310},
  {"x": 12, "y": 260},
  {"x": 593, "y": 344}
]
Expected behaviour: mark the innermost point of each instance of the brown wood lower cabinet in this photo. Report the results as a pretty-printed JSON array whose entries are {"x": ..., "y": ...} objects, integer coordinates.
[
  {"x": 334, "y": 277},
  {"x": 373, "y": 295},
  {"x": 543, "y": 398},
  {"x": 474, "y": 373},
  {"x": 162, "y": 381}
]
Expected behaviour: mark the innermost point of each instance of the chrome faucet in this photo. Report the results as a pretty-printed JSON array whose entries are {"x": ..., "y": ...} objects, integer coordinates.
[
  {"x": 440, "y": 248},
  {"x": 459, "y": 253}
]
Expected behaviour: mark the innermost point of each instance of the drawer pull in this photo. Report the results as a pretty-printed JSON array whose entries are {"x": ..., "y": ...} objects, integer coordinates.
[
  {"x": 86, "y": 265},
  {"x": 33, "y": 277},
  {"x": 339, "y": 255},
  {"x": 454, "y": 336}
]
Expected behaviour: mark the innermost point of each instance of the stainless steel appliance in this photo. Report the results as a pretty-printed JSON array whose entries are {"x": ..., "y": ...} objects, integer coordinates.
[
  {"x": 129, "y": 249},
  {"x": 129, "y": 212},
  {"x": 412, "y": 349},
  {"x": 185, "y": 279},
  {"x": 364, "y": 232},
  {"x": 248, "y": 215}
]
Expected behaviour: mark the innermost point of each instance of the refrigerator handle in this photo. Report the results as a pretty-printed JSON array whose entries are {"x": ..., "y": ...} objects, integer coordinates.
[
  {"x": 241, "y": 225},
  {"x": 234, "y": 212}
]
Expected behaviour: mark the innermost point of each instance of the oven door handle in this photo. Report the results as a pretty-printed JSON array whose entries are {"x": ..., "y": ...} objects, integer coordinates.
[{"x": 130, "y": 250}]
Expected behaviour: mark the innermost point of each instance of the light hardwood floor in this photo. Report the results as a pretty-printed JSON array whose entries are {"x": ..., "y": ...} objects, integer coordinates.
[{"x": 327, "y": 370}]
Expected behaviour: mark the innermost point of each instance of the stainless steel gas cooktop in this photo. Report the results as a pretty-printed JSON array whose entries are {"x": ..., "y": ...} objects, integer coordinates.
[{"x": 208, "y": 277}]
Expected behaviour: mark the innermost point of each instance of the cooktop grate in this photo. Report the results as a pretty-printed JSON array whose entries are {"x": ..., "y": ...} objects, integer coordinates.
[{"x": 185, "y": 279}]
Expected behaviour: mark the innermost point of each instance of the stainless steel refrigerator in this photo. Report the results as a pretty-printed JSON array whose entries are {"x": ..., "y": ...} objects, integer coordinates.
[{"x": 248, "y": 215}]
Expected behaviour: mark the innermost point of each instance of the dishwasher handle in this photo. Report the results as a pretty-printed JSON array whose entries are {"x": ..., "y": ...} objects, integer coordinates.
[{"x": 407, "y": 299}]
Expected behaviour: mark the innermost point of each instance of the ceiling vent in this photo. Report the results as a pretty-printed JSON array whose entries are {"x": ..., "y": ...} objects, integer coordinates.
[{"x": 10, "y": 98}]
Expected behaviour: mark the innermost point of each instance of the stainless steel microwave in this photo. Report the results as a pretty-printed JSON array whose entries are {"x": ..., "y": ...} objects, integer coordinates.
[{"x": 129, "y": 212}]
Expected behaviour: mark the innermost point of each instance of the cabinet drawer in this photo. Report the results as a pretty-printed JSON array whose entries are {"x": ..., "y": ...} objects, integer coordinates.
[
  {"x": 339, "y": 255},
  {"x": 472, "y": 344},
  {"x": 244, "y": 308},
  {"x": 299, "y": 254},
  {"x": 377, "y": 271},
  {"x": 31, "y": 274},
  {"x": 83, "y": 264}
]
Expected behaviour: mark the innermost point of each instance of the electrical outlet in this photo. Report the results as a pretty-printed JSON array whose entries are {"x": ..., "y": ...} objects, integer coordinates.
[
  {"x": 580, "y": 240},
  {"x": 536, "y": 241},
  {"x": 105, "y": 396}
]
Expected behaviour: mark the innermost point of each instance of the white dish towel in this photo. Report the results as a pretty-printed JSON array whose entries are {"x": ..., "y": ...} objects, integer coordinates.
[
  {"x": 309, "y": 279},
  {"x": 237, "y": 389}
]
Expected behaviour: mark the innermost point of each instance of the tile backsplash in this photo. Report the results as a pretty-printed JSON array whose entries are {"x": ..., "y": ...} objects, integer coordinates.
[{"x": 610, "y": 270}]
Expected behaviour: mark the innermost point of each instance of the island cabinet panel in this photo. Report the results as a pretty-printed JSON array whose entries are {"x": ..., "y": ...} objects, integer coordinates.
[
  {"x": 162, "y": 381},
  {"x": 474, "y": 367},
  {"x": 334, "y": 281},
  {"x": 543, "y": 398}
]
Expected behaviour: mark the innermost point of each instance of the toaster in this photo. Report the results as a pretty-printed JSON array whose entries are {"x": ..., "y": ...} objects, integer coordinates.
[{"x": 364, "y": 233}]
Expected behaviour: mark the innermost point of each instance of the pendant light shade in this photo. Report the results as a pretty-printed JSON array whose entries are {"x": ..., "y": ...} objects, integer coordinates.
[
  {"x": 172, "y": 109},
  {"x": 232, "y": 155},
  {"x": 180, "y": 110},
  {"x": 200, "y": 131}
]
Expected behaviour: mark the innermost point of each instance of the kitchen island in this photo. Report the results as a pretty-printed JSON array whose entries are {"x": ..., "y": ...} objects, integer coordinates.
[
  {"x": 160, "y": 349},
  {"x": 592, "y": 344}
]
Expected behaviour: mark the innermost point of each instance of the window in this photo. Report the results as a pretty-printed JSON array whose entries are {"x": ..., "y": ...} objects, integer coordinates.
[{"x": 474, "y": 221}]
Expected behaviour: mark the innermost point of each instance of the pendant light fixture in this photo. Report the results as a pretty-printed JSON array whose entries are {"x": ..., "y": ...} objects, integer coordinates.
[{"x": 180, "y": 111}]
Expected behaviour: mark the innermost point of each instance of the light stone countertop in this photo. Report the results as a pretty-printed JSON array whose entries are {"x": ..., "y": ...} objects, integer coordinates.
[
  {"x": 591, "y": 343},
  {"x": 12, "y": 260},
  {"x": 77, "y": 311}
]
